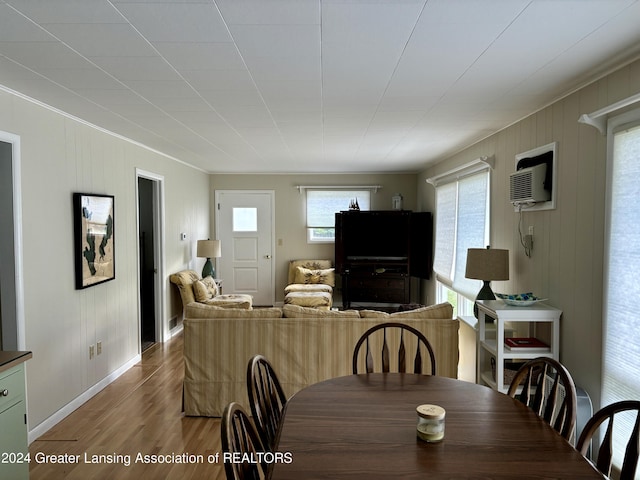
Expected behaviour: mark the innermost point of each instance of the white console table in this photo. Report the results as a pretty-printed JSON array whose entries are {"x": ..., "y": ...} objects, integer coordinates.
[{"x": 491, "y": 337}]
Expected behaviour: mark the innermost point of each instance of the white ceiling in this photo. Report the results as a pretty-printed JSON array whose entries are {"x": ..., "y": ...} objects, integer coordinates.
[{"x": 290, "y": 86}]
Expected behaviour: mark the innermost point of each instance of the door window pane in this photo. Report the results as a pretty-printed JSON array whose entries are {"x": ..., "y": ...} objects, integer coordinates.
[{"x": 245, "y": 219}]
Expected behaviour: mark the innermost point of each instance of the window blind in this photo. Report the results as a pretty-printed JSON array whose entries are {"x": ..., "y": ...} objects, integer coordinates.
[
  {"x": 322, "y": 205},
  {"x": 621, "y": 371},
  {"x": 462, "y": 222}
]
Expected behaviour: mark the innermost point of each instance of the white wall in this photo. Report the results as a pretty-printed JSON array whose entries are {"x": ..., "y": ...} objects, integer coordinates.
[
  {"x": 566, "y": 265},
  {"x": 61, "y": 156}
]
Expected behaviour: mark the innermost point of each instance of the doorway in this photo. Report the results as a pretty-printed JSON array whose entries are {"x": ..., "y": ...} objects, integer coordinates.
[
  {"x": 245, "y": 228},
  {"x": 150, "y": 244},
  {"x": 147, "y": 263}
]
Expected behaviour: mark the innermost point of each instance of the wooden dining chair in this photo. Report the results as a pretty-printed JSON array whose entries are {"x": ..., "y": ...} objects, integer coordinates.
[
  {"x": 605, "y": 452},
  {"x": 266, "y": 398},
  {"x": 366, "y": 339},
  {"x": 239, "y": 435},
  {"x": 546, "y": 386}
]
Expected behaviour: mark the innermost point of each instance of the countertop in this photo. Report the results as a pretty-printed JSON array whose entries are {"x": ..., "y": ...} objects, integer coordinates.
[{"x": 9, "y": 359}]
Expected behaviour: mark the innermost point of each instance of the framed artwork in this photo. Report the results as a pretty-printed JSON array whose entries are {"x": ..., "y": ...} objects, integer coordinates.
[{"x": 94, "y": 249}]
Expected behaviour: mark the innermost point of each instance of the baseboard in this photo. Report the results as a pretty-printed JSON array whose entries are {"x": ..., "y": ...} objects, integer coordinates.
[
  {"x": 176, "y": 330},
  {"x": 77, "y": 402}
]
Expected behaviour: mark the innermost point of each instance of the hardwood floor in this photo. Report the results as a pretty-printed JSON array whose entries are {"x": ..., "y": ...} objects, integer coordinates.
[{"x": 137, "y": 416}]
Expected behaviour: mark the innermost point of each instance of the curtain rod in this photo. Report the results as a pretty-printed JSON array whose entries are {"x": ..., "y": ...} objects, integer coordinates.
[
  {"x": 598, "y": 119},
  {"x": 457, "y": 172},
  {"x": 375, "y": 188}
]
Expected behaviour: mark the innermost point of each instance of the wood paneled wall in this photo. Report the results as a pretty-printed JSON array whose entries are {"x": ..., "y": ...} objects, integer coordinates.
[
  {"x": 566, "y": 265},
  {"x": 59, "y": 156}
]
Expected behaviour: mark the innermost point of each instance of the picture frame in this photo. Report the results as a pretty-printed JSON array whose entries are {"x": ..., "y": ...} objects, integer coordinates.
[{"x": 94, "y": 239}]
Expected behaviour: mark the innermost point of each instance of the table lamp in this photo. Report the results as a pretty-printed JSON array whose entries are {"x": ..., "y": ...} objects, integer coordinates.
[
  {"x": 208, "y": 249},
  {"x": 487, "y": 264}
]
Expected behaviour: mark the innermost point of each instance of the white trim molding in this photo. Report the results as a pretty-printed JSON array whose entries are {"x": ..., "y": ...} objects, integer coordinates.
[
  {"x": 162, "y": 327},
  {"x": 461, "y": 171},
  {"x": 80, "y": 400},
  {"x": 14, "y": 141},
  {"x": 598, "y": 119}
]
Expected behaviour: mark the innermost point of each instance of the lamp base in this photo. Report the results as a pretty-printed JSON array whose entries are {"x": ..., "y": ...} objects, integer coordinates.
[
  {"x": 208, "y": 270},
  {"x": 485, "y": 293}
]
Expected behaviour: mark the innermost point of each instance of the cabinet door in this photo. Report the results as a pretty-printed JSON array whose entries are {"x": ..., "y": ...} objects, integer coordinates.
[
  {"x": 421, "y": 237},
  {"x": 13, "y": 440}
]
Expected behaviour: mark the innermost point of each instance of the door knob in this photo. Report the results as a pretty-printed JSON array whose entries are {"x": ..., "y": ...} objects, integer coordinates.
[{"x": 267, "y": 256}]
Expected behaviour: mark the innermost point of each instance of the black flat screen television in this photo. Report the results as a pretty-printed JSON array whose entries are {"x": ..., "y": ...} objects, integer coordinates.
[{"x": 376, "y": 236}]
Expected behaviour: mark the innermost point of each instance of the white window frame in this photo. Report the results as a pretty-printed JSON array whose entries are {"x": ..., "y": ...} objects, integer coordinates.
[
  {"x": 458, "y": 291},
  {"x": 618, "y": 369},
  {"x": 346, "y": 195}
]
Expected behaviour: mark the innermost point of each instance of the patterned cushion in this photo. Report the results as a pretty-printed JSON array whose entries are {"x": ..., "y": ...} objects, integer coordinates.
[
  {"x": 309, "y": 276},
  {"x": 321, "y": 300},
  {"x": 202, "y": 311},
  {"x": 297, "y": 311},
  {"x": 441, "y": 310},
  {"x": 184, "y": 280},
  {"x": 211, "y": 285},
  {"x": 310, "y": 264},
  {"x": 373, "y": 314},
  {"x": 308, "y": 287},
  {"x": 232, "y": 300},
  {"x": 201, "y": 292}
]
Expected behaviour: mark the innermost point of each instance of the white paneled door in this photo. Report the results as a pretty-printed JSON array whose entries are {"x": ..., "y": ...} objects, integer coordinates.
[{"x": 244, "y": 226}]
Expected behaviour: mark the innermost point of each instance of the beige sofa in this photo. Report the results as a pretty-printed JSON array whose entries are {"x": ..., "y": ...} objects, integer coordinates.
[{"x": 305, "y": 346}]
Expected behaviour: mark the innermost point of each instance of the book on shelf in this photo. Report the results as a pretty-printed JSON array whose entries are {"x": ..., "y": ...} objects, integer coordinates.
[{"x": 524, "y": 344}]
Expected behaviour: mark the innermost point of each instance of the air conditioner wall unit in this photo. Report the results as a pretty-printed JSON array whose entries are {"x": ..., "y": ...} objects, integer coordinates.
[{"x": 527, "y": 186}]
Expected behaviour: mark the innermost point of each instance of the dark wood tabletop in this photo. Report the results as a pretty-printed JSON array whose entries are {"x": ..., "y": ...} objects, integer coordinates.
[{"x": 364, "y": 427}]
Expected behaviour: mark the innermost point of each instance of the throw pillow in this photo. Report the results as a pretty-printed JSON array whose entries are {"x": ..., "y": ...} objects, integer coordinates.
[
  {"x": 307, "y": 275},
  {"x": 201, "y": 292},
  {"x": 296, "y": 311},
  {"x": 440, "y": 310},
  {"x": 211, "y": 285},
  {"x": 373, "y": 314}
]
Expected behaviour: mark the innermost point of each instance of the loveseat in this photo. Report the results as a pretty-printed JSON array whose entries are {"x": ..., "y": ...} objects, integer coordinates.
[
  {"x": 305, "y": 346},
  {"x": 192, "y": 288}
]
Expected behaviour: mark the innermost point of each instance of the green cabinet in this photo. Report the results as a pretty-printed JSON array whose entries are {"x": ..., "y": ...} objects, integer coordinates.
[{"x": 14, "y": 446}]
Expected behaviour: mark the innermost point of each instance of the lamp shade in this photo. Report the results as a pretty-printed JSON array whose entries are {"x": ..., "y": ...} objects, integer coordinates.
[
  {"x": 487, "y": 264},
  {"x": 208, "y": 248}
]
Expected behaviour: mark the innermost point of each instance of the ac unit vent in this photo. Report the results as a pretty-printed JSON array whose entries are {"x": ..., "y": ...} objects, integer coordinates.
[{"x": 527, "y": 186}]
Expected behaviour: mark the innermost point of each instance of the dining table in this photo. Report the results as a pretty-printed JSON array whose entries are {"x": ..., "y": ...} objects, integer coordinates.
[{"x": 364, "y": 427}]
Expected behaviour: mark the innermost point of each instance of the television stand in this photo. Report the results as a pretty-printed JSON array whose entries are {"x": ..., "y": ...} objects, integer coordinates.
[{"x": 376, "y": 282}]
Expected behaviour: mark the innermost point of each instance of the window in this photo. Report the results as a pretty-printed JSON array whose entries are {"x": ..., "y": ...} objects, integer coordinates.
[
  {"x": 245, "y": 219},
  {"x": 621, "y": 374},
  {"x": 461, "y": 304},
  {"x": 322, "y": 205},
  {"x": 462, "y": 222}
]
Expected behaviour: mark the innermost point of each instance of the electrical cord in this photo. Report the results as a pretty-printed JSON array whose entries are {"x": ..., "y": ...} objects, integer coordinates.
[{"x": 527, "y": 248}]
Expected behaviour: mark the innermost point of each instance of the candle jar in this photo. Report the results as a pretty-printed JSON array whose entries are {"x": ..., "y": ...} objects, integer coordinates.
[{"x": 430, "y": 426}]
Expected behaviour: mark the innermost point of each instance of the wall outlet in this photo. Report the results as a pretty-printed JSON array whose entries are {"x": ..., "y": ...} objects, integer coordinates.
[
  {"x": 98, "y": 348},
  {"x": 528, "y": 242},
  {"x": 91, "y": 351}
]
